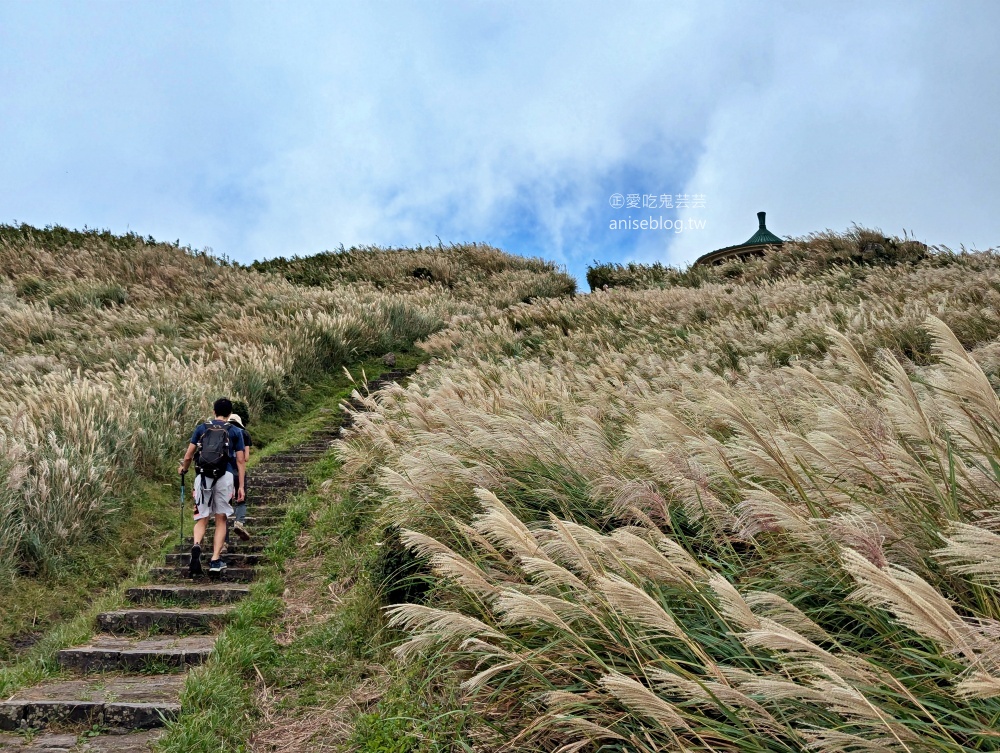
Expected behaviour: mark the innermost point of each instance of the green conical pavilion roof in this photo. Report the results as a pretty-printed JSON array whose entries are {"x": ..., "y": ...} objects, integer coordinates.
[
  {"x": 753, "y": 247},
  {"x": 763, "y": 235}
]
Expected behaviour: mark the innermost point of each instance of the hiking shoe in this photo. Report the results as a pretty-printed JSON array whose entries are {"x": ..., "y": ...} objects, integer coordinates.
[
  {"x": 194, "y": 569},
  {"x": 225, "y": 548},
  {"x": 241, "y": 530},
  {"x": 216, "y": 566}
]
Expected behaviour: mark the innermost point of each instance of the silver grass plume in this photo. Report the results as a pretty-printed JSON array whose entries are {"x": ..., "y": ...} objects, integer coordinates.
[
  {"x": 911, "y": 599},
  {"x": 972, "y": 551},
  {"x": 502, "y": 527},
  {"x": 448, "y": 563},
  {"x": 639, "y": 699}
]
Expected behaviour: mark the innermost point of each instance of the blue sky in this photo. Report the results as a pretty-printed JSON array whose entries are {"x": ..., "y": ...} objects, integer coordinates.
[{"x": 265, "y": 129}]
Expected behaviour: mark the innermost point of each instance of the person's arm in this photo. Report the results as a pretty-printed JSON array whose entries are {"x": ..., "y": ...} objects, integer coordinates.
[{"x": 188, "y": 457}]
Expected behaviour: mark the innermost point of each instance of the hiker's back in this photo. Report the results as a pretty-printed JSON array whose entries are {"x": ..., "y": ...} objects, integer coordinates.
[{"x": 215, "y": 449}]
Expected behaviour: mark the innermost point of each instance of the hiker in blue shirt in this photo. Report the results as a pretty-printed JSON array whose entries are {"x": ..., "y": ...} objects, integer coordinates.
[{"x": 217, "y": 449}]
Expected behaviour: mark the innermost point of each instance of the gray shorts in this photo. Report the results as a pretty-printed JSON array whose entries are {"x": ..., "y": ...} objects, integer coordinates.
[{"x": 215, "y": 497}]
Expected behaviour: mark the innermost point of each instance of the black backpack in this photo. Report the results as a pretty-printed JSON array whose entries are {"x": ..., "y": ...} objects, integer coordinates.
[{"x": 212, "y": 457}]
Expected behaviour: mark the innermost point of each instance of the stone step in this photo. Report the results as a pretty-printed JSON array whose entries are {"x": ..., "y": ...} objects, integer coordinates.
[
  {"x": 257, "y": 532},
  {"x": 259, "y": 538},
  {"x": 299, "y": 460},
  {"x": 259, "y": 510},
  {"x": 300, "y": 463},
  {"x": 261, "y": 498},
  {"x": 288, "y": 483},
  {"x": 233, "y": 558},
  {"x": 309, "y": 450},
  {"x": 107, "y": 652},
  {"x": 284, "y": 469},
  {"x": 277, "y": 479},
  {"x": 293, "y": 453},
  {"x": 265, "y": 519},
  {"x": 258, "y": 520},
  {"x": 138, "y": 702},
  {"x": 229, "y": 575},
  {"x": 65, "y": 742},
  {"x": 253, "y": 546},
  {"x": 281, "y": 493},
  {"x": 190, "y": 593},
  {"x": 165, "y": 620}
]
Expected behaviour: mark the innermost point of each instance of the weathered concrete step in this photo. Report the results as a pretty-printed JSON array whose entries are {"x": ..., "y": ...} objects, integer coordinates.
[
  {"x": 299, "y": 467},
  {"x": 167, "y": 619},
  {"x": 118, "y": 702},
  {"x": 66, "y": 742},
  {"x": 126, "y": 654},
  {"x": 126, "y": 742},
  {"x": 238, "y": 559},
  {"x": 303, "y": 456},
  {"x": 312, "y": 450},
  {"x": 277, "y": 479},
  {"x": 283, "y": 483},
  {"x": 267, "y": 506},
  {"x": 258, "y": 540},
  {"x": 194, "y": 593},
  {"x": 255, "y": 532},
  {"x": 253, "y": 546},
  {"x": 229, "y": 575},
  {"x": 265, "y": 519},
  {"x": 257, "y": 520},
  {"x": 298, "y": 459}
]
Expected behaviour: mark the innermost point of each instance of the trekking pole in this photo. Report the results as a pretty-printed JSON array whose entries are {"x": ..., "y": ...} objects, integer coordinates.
[{"x": 182, "y": 509}]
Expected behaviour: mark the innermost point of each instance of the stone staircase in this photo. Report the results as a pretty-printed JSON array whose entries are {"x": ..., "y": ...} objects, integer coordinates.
[{"x": 129, "y": 677}]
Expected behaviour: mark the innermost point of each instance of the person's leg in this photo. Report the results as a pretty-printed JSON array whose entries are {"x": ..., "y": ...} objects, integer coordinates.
[
  {"x": 236, "y": 489},
  {"x": 200, "y": 524},
  {"x": 220, "y": 536},
  {"x": 199, "y": 530},
  {"x": 240, "y": 526},
  {"x": 222, "y": 508}
]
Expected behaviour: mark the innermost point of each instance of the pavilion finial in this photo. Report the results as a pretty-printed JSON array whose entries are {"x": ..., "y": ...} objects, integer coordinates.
[{"x": 755, "y": 245}]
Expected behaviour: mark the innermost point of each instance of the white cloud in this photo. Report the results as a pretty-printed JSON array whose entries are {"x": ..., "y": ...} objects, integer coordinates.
[
  {"x": 877, "y": 116},
  {"x": 262, "y": 129}
]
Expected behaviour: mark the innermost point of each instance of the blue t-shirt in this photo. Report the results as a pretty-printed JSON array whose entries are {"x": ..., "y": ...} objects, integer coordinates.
[{"x": 236, "y": 443}]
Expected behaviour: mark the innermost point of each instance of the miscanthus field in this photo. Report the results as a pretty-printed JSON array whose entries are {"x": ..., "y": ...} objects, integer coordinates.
[
  {"x": 112, "y": 349},
  {"x": 746, "y": 508}
]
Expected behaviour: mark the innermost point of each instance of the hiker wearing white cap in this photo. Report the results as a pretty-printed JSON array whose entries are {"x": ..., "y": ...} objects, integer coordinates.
[{"x": 240, "y": 526}]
